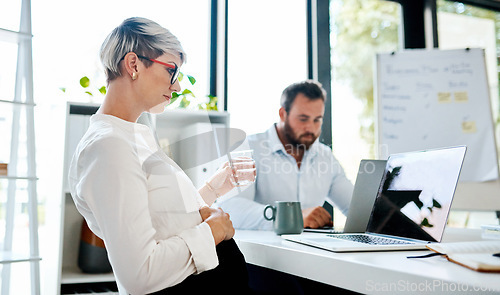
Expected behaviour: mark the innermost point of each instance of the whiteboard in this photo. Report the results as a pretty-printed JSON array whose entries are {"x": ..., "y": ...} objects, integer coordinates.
[{"x": 436, "y": 98}]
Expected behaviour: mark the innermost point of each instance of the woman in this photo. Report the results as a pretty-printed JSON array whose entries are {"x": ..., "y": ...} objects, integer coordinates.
[{"x": 159, "y": 232}]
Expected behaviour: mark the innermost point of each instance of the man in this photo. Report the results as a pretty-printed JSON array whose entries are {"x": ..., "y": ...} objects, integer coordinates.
[{"x": 292, "y": 165}]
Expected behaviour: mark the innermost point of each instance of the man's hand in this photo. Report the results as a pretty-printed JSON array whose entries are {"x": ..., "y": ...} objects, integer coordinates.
[
  {"x": 316, "y": 217},
  {"x": 219, "y": 222}
]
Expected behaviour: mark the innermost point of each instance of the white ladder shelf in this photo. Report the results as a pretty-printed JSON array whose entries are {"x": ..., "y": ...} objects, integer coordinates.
[{"x": 23, "y": 89}]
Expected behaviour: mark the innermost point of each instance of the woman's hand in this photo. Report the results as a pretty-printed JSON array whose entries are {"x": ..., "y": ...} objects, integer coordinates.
[
  {"x": 219, "y": 222},
  {"x": 227, "y": 177}
]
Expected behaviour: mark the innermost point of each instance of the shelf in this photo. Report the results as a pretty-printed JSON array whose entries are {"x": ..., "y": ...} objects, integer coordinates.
[
  {"x": 182, "y": 116},
  {"x": 17, "y": 102},
  {"x": 10, "y": 257},
  {"x": 76, "y": 276},
  {"x": 18, "y": 177},
  {"x": 13, "y": 36}
]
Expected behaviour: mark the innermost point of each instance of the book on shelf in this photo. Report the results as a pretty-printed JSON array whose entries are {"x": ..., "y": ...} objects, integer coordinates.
[
  {"x": 477, "y": 255},
  {"x": 3, "y": 168}
]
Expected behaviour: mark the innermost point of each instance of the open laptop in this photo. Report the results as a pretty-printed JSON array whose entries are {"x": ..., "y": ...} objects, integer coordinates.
[
  {"x": 411, "y": 207},
  {"x": 370, "y": 173}
]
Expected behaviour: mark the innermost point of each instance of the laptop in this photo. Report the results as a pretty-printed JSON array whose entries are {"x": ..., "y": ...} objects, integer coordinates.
[
  {"x": 370, "y": 173},
  {"x": 411, "y": 208}
]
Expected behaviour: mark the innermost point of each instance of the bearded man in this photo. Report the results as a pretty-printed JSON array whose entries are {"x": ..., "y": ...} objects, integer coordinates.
[{"x": 292, "y": 165}]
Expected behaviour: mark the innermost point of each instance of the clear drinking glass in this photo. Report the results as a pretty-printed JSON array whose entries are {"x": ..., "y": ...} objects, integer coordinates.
[{"x": 243, "y": 166}]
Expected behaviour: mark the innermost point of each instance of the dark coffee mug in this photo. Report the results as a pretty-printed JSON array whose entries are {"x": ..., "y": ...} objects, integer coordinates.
[{"x": 286, "y": 217}]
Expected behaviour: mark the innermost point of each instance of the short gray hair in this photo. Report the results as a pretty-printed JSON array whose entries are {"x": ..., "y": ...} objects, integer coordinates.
[{"x": 142, "y": 36}]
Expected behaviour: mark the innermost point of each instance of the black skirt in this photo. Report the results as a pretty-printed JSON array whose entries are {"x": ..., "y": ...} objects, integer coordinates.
[{"x": 229, "y": 277}]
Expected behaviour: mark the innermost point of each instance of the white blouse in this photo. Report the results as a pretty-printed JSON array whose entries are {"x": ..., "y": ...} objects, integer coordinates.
[{"x": 141, "y": 204}]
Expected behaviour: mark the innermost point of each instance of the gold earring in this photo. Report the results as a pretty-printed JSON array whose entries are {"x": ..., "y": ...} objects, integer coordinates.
[{"x": 134, "y": 75}]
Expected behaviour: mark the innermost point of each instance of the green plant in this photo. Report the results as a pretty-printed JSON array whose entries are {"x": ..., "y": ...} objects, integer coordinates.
[
  {"x": 211, "y": 105},
  {"x": 85, "y": 83},
  {"x": 187, "y": 97}
]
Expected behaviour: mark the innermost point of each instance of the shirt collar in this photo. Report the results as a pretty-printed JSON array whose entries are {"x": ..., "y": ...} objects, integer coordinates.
[
  {"x": 125, "y": 125},
  {"x": 274, "y": 141}
]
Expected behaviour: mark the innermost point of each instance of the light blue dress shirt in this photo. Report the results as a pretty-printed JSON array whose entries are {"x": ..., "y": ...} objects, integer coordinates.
[{"x": 319, "y": 178}]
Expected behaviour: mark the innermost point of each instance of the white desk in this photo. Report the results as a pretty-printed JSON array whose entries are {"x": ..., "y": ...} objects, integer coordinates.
[{"x": 369, "y": 272}]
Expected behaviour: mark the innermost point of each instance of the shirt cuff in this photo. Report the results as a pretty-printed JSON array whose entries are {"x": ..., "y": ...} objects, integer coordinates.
[{"x": 201, "y": 244}]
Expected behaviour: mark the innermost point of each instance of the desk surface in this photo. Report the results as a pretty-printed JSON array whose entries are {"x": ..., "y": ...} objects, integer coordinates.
[{"x": 369, "y": 272}]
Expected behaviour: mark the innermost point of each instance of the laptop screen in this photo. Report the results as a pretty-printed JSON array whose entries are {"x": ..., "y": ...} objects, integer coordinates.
[{"x": 415, "y": 194}]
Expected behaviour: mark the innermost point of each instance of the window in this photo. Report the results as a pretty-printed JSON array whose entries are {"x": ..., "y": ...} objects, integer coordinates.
[
  {"x": 458, "y": 27},
  {"x": 10, "y": 14},
  {"x": 78, "y": 31},
  {"x": 8, "y": 74},
  {"x": 267, "y": 51},
  {"x": 359, "y": 30}
]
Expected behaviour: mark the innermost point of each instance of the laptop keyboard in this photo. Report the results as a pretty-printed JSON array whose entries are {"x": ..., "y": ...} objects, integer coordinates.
[{"x": 372, "y": 240}]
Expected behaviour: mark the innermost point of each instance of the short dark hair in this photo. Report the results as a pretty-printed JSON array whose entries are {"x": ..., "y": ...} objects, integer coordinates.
[{"x": 313, "y": 90}]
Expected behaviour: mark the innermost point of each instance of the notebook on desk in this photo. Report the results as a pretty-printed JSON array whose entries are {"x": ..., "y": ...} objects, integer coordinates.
[
  {"x": 365, "y": 190},
  {"x": 411, "y": 208}
]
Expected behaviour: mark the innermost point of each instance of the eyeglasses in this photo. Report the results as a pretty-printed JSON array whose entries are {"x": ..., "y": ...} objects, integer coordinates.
[{"x": 173, "y": 69}]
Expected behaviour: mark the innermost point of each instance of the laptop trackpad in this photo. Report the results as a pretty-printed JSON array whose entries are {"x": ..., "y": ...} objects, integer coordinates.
[{"x": 324, "y": 241}]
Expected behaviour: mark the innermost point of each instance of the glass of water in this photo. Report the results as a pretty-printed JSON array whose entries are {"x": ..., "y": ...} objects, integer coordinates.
[{"x": 243, "y": 166}]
